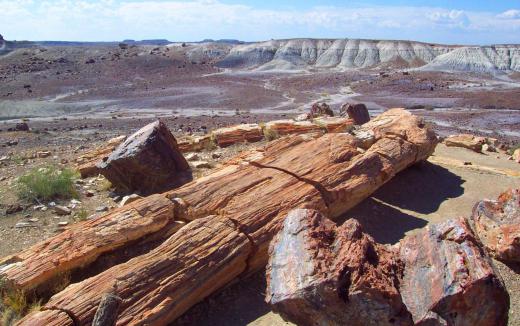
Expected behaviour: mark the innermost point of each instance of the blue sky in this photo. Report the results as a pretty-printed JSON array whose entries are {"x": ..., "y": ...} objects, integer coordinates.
[{"x": 453, "y": 22}]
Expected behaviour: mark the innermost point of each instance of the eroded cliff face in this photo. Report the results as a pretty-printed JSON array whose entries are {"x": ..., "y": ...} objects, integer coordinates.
[{"x": 355, "y": 53}]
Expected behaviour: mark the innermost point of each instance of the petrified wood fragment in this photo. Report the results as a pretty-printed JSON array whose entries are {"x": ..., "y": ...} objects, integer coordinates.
[
  {"x": 320, "y": 274},
  {"x": 254, "y": 192},
  {"x": 497, "y": 224},
  {"x": 357, "y": 112},
  {"x": 449, "y": 280},
  {"x": 148, "y": 162},
  {"x": 250, "y": 133}
]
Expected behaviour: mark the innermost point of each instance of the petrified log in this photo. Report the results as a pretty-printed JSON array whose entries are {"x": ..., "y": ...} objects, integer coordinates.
[
  {"x": 357, "y": 112},
  {"x": 290, "y": 127},
  {"x": 81, "y": 244},
  {"x": 250, "y": 133},
  {"x": 335, "y": 124},
  {"x": 254, "y": 193},
  {"x": 320, "y": 274},
  {"x": 497, "y": 224},
  {"x": 195, "y": 144},
  {"x": 148, "y": 162},
  {"x": 449, "y": 280},
  {"x": 159, "y": 286},
  {"x": 468, "y": 141}
]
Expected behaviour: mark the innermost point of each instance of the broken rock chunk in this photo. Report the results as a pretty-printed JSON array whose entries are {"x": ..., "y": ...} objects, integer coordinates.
[
  {"x": 320, "y": 274},
  {"x": 466, "y": 141},
  {"x": 148, "y": 162},
  {"x": 497, "y": 224},
  {"x": 449, "y": 280},
  {"x": 357, "y": 112}
]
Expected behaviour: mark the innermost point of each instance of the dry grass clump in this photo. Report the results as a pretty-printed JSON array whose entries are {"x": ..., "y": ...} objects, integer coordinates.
[
  {"x": 46, "y": 183},
  {"x": 270, "y": 134}
]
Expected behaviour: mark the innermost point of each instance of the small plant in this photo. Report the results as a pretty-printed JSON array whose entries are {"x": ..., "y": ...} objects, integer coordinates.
[
  {"x": 271, "y": 134},
  {"x": 513, "y": 148},
  {"x": 47, "y": 183},
  {"x": 81, "y": 215},
  {"x": 105, "y": 185},
  {"x": 13, "y": 304}
]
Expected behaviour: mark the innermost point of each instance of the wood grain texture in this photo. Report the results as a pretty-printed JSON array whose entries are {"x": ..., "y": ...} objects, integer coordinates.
[{"x": 236, "y": 211}]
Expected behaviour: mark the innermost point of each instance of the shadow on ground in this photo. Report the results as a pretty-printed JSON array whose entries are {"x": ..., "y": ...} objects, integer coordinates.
[
  {"x": 419, "y": 189},
  {"x": 239, "y": 304}
]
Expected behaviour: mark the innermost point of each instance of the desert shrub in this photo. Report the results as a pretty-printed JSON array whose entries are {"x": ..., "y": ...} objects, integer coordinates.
[
  {"x": 82, "y": 215},
  {"x": 13, "y": 304},
  {"x": 513, "y": 148},
  {"x": 270, "y": 134},
  {"x": 47, "y": 183}
]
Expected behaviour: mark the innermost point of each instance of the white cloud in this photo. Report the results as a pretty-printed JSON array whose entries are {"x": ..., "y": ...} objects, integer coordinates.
[
  {"x": 194, "y": 20},
  {"x": 450, "y": 18},
  {"x": 510, "y": 14}
]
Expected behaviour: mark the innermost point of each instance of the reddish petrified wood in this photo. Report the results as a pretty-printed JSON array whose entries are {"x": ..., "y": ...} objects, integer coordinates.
[
  {"x": 497, "y": 224},
  {"x": 449, "y": 280},
  {"x": 320, "y": 274},
  {"x": 254, "y": 193}
]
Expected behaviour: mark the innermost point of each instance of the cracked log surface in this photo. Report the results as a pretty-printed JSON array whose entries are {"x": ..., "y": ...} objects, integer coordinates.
[
  {"x": 251, "y": 196},
  {"x": 84, "y": 242}
]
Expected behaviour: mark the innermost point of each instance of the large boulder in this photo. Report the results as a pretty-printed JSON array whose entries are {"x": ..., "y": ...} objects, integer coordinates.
[
  {"x": 148, "y": 162},
  {"x": 449, "y": 280},
  {"x": 468, "y": 141},
  {"x": 357, "y": 112},
  {"x": 497, "y": 224},
  {"x": 320, "y": 274}
]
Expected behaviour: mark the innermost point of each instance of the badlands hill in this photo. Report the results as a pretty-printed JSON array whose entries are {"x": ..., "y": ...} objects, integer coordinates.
[{"x": 295, "y": 54}]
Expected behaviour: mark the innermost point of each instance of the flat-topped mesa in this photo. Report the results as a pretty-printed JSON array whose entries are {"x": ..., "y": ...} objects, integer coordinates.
[
  {"x": 148, "y": 162},
  {"x": 328, "y": 173}
]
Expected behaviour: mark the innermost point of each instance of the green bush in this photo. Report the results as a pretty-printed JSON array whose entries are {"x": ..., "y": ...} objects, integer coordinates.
[{"x": 47, "y": 183}]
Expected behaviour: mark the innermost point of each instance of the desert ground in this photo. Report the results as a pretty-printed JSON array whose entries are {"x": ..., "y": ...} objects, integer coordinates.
[{"x": 76, "y": 98}]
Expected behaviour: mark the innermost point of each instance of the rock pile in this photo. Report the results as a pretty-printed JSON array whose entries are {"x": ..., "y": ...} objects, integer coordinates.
[
  {"x": 148, "y": 162},
  {"x": 321, "y": 274},
  {"x": 320, "y": 110}
]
